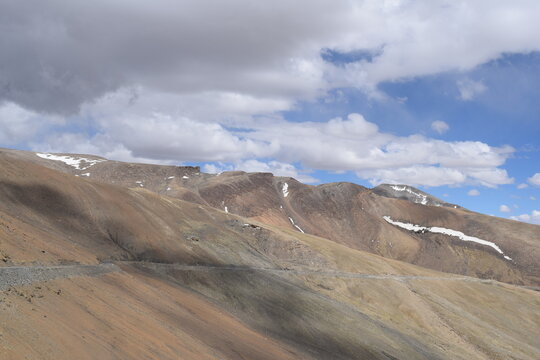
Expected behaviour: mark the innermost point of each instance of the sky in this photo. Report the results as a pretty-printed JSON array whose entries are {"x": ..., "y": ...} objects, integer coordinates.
[{"x": 440, "y": 95}]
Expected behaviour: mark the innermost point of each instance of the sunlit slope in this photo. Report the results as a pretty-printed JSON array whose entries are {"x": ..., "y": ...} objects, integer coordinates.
[{"x": 253, "y": 290}]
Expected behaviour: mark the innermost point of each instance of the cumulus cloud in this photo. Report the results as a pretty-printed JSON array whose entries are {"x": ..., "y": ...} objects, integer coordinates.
[
  {"x": 469, "y": 89},
  {"x": 340, "y": 144},
  {"x": 522, "y": 186},
  {"x": 18, "y": 125},
  {"x": 534, "y": 180},
  {"x": 275, "y": 167},
  {"x": 440, "y": 126},
  {"x": 533, "y": 217},
  {"x": 473, "y": 192},
  {"x": 504, "y": 208},
  {"x": 170, "y": 81},
  {"x": 63, "y": 55}
]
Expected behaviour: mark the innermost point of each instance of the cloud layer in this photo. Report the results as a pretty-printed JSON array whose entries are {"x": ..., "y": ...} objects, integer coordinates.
[
  {"x": 533, "y": 217},
  {"x": 206, "y": 81},
  {"x": 63, "y": 55},
  {"x": 535, "y": 179},
  {"x": 126, "y": 130}
]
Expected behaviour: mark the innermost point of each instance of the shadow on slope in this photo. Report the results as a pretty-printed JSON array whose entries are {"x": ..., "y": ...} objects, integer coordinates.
[{"x": 286, "y": 310}]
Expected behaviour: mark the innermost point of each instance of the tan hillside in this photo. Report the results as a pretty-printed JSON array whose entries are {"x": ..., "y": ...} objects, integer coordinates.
[
  {"x": 346, "y": 213},
  {"x": 192, "y": 281}
]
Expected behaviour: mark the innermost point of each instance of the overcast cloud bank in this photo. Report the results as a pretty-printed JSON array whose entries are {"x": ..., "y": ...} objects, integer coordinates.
[{"x": 205, "y": 81}]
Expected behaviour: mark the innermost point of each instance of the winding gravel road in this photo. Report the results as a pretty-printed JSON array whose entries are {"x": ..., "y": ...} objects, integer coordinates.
[
  {"x": 337, "y": 274},
  {"x": 24, "y": 275}
]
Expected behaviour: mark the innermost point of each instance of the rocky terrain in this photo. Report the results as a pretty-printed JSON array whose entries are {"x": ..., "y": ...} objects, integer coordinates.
[
  {"x": 345, "y": 213},
  {"x": 103, "y": 259}
]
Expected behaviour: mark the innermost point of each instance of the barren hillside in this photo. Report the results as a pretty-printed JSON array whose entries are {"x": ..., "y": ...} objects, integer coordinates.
[
  {"x": 196, "y": 266},
  {"x": 346, "y": 213}
]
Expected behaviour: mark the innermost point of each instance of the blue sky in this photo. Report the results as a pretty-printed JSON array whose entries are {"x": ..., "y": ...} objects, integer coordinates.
[
  {"x": 506, "y": 112},
  {"x": 439, "y": 95}
]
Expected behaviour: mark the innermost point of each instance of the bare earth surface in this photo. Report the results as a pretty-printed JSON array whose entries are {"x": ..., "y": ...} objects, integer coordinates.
[
  {"x": 24, "y": 275},
  {"x": 112, "y": 265}
]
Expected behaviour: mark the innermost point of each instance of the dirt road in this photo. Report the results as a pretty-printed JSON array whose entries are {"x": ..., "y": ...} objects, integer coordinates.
[{"x": 23, "y": 275}]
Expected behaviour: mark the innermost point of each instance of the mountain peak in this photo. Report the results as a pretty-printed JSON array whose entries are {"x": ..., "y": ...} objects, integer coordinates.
[{"x": 412, "y": 194}]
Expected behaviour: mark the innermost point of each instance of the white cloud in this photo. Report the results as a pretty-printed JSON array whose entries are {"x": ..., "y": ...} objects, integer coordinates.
[
  {"x": 469, "y": 89},
  {"x": 533, "y": 217},
  {"x": 532, "y": 198},
  {"x": 504, "y": 208},
  {"x": 18, "y": 125},
  {"x": 415, "y": 175},
  {"x": 151, "y": 83},
  {"x": 473, "y": 192},
  {"x": 534, "y": 180},
  {"x": 163, "y": 46},
  {"x": 440, "y": 126},
  {"x": 274, "y": 167},
  {"x": 132, "y": 129},
  {"x": 522, "y": 186}
]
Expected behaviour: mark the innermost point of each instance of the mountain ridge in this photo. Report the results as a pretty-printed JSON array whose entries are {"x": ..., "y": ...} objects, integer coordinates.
[
  {"x": 173, "y": 295},
  {"x": 343, "y": 212}
]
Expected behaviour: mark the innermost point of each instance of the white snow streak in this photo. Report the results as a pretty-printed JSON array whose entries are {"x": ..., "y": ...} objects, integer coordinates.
[
  {"x": 185, "y": 177},
  {"x": 445, "y": 231},
  {"x": 170, "y": 178},
  {"x": 296, "y": 226},
  {"x": 423, "y": 198},
  {"x": 285, "y": 190},
  {"x": 71, "y": 161},
  {"x": 85, "y": 174},
  {"x": 226, "y": 210}
]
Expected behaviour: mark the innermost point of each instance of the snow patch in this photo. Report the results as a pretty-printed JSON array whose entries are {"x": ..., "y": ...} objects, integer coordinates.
[
  {"x": 226, "y": 210},
  {"x": 296, "y": 226},
  {"x": 285, "y": 190},
  {"x": 445, "y": 231},
  {"x": 85, "y": 174},
  {"x": 168, "y": 189},
  {"x": 170, "y": 178},
  {"x": 185, "y": 177},
  {"x": 422, "y": 199},
  {"x": 75, "y": 162}
]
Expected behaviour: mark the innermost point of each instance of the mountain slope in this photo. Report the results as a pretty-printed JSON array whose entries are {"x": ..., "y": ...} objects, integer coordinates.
[
  {"x": 271, "y": 290},
  {"x": 346, "y": 213}
]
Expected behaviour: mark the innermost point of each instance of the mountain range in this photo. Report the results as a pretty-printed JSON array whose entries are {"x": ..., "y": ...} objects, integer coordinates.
[{"x": 107, "y": 259}]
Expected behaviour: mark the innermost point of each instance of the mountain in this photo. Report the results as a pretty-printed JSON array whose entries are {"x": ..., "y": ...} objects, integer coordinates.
[
  {"x": 117, "y": 260},
  {"x": 411, "y": 194},
  {"x": 345, "y": 213}
]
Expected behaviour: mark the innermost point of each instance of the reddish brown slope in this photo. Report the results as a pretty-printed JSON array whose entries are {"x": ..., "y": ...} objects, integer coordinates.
[
  {"x": 353, "y": 215},
  {"x": 316, "y": 311},
  {"x": 345, "y": 213}
]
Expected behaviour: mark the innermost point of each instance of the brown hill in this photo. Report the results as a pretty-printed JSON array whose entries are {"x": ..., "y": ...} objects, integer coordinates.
[
  {"x": 196, "y": 282},
  {"x": 346, "y": 213}
]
